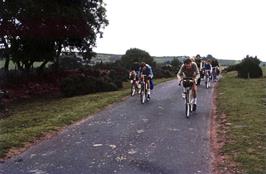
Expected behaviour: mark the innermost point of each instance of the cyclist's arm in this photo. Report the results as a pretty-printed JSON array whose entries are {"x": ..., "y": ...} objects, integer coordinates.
[
  {"x": 179, "y": 75},
  {"x": 197, "y": 73},
  {"x": 149, "y": 72}
]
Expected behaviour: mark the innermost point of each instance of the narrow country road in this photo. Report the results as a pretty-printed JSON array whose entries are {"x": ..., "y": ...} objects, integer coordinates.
[{"x": 128, "y": 138}]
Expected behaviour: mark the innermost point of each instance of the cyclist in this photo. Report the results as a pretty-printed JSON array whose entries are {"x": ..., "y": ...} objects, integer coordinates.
[
  {"x": 190, "y": 70},
  {"x": 199, "y": 63},
  {"x": 146, "y": 70},
  {"x": 208, "y": 67}
]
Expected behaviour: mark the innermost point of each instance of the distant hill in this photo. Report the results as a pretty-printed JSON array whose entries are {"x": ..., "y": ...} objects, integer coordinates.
[
  {"x": 225, "y": 62},
  {"x": 102, "y": 57},
  {"x": 168, "y": 59}
]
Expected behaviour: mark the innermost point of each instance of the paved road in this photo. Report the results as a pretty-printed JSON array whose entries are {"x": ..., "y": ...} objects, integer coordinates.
[{"x": 128, "y": 138}]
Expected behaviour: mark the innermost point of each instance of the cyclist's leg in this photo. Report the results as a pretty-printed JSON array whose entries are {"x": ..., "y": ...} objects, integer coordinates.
[
  {"x": 194, "y": 90},
  {"x": 194, "y": 93},
  {"x": 151, "y": 84},
  {"x": 148, "y": 88}
]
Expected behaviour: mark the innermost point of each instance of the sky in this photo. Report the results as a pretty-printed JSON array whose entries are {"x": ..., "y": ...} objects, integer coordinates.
[{"x": 226, "y": 29}]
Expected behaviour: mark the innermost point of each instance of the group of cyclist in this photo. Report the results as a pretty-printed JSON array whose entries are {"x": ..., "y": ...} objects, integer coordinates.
[
  {"x": 193, "y": 68},
  {"x": 196, "y": 69},
  {"x": 139, "y": 71}
]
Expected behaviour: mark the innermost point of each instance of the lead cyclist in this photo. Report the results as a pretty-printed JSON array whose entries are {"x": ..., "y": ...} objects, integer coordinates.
[{"x": 190, "y": 69}]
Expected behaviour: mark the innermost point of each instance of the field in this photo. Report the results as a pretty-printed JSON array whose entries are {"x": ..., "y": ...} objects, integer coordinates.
[{"x": 241, "y": 115}]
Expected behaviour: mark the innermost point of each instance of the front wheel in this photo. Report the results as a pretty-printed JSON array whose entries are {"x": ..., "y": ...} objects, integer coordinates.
[
  {"x": 133, "y": 90},
  {"x": 142, "y": 97},
  {"x": 207, "y": 82},
  {"x": 188, "y": 108}
]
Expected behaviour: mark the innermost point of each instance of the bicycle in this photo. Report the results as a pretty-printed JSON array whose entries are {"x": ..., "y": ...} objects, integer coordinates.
[
  {"x": 143, "y": 89},
  {"x": 187, "y": 91},
  {"x": 207, "y": 78},
  {"x": 134, "y": 87}
]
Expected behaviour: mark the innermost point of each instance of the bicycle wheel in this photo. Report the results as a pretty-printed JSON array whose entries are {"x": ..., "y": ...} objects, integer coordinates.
[
  {"x": 207, "y": 82},
  {"x": 187, "y": 110},
  {"x": 133, "y": 90},
  {"x": 187, "y": 105},
  {"x": 142, "y": 94}
]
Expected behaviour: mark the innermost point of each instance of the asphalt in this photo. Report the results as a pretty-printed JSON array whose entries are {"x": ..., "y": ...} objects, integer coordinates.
[{"x": 128, "y": 138}]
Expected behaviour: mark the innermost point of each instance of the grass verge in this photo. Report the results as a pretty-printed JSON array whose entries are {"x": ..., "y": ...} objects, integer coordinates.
[
  {"x": 243, "y": 103},
  {"x": 33, "y": 119}
]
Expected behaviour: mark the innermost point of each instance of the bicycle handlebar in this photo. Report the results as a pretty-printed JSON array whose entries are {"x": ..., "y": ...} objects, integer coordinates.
[{"x": 190, "y": 79}]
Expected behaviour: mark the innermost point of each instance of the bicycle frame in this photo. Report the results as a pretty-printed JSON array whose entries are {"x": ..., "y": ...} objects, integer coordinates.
[
  {"x": 143, "y": 89},
  {"x": 207, "y": 78},
  {"x": 187, "y": 89},
  {"x": 134, "y": 86}
]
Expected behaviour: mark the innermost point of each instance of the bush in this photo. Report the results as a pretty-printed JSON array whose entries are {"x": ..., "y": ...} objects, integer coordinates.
[
  {"x": 80, "y": 85},
  {"x": 163, "y": 73},
  {"x": 248, "y": 68},
  {"x": 68, "y": 63},
  {"x": 104, "y": 84}
]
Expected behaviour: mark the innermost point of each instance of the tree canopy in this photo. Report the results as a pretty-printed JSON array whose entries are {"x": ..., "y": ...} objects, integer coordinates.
[
  {"x": 247, "y": 68},
  {"x": 37, "y": 30},
  {"x": 134, "y": 55}
]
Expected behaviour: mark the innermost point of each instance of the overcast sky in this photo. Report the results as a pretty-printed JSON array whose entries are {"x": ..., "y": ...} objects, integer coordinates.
[{"x": 227, "y": 29}]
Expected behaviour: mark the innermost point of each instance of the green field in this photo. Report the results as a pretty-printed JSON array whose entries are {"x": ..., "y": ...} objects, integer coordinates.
[
  {"x": 33, "y": 119},
  {"x": 244, "y": 104},
  {"x": 12, "y": 65}
]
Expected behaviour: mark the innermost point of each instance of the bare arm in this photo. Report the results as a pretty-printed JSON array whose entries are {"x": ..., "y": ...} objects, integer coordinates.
[{"x": 180, "y": 72}]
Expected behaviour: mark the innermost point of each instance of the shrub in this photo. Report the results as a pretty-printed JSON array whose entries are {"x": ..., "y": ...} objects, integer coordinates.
[
  {"x": 104, "y": 84},
  {"x": 248, "y": 68},
  {"x": 80, "y": 85},
  {"x": 162, "y": 73},
  {"x": 68, "y": 63}
]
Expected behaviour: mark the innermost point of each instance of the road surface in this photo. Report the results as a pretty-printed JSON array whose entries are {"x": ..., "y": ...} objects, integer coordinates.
[{"x": 128, "y": 138}]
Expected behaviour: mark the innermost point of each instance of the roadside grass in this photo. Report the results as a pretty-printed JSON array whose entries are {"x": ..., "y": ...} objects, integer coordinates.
[
  {"x": 244, "y": 104},
  {"x": 33, "y": 119}
]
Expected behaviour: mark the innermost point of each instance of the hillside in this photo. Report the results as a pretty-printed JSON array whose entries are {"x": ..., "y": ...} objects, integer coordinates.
[{"x": 102, "y": 57}]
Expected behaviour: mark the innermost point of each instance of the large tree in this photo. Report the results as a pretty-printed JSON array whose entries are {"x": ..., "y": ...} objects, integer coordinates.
[
  {"x": 38, "y": 30},
  {"x": 135, "y": 55}
]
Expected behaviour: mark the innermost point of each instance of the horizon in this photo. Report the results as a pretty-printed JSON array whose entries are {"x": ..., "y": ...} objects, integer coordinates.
[{"x": 182, "y": 56}]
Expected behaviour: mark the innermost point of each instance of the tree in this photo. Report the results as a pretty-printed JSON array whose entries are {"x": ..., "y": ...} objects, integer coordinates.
[
  {"x": 36, "y": 30},
  {"x": 247, "y": 68},
  {"x": 134, "y": 55},
  {"x": 213, "y": 60},
  {"x": 176, "y": 64}
]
